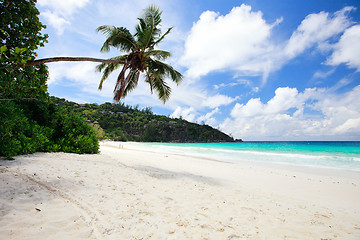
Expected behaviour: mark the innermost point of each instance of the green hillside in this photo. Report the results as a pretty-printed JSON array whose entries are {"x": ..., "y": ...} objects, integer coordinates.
[{"x": 120, "y": 122}]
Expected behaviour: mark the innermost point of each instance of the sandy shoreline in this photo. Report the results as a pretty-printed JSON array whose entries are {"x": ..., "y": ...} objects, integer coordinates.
[{"x": 126, "y": 193}]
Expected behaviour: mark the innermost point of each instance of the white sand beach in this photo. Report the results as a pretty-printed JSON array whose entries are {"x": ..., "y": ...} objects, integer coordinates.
[{"x": 129, "y": 193}]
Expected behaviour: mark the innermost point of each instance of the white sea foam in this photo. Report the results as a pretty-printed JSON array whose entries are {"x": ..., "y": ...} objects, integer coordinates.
[{"x": 327, "y": 160}]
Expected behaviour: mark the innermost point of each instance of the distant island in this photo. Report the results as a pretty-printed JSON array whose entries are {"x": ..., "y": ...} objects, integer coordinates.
[{"x": 120, "y": 122}]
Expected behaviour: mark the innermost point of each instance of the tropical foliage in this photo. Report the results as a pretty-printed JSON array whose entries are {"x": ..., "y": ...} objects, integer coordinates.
[
  {"x": 33, "y": 126},
  {"x": 20, "y": 32},
  {"x": 29, "y": 121},
  {"x": 140, "y": 56}
]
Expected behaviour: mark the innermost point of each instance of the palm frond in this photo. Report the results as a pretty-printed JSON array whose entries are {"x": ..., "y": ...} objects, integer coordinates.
[
  {"x": 162, "y": 37},
  {"x": 100, "y": 67},
  {"x": 108, "y": 68},
  {"x": 160, "y": 86},
  {"x": 148, "y": 28},
  {"x": 140, "y": 30},
  {"x": 118, "y": 37},
  {"x": 148, "y": 79},
  {"x": 132, "y": 84},
  {"x": 165, "y": 70},
  {"x": 158, "y": 54},
  {"x": 156, "y": 79},
  {"x": 121, "y": 58}
]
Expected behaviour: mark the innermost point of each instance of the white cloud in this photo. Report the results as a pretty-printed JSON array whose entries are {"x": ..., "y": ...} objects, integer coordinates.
[
  {"x": 217, "y": 101},
  {"x": 340, "y": 108},
  {"x": 55, "y": 21},
  {"x": 315, "y": 114},
  {"x": 321, "y": 74},
  {"x": 63, "y": 7},
  {"x": 350, "y": 125},
  {"x": 253, "y": 108},
  {"x": 340, "y": 84},
  {"x": 284, "y": 99},
  {"x": 188, "y": 114},
  {"x": 315, "y": 29},
  {"x": 197, "y": 100},
  {"x": 232, "y": 41},
  {"x": 208, "y": 118},
  {"x": 83, "y": 76},
  {"x": 58, "y": 13},
  {"x": 347, "y": 50},
  {"x": 244, "y": 82},
  {"x": 79, "y": 72}
]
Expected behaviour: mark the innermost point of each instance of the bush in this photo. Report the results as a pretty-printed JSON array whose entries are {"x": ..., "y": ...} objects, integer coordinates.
[
  {"x": 28, "y": 127},
  {"x": 73, "y": 134},
  {"x": 19, "y": 135}
]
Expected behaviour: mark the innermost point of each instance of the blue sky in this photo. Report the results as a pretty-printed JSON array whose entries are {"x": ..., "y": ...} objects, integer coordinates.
[{"x": 256, "y": 69}]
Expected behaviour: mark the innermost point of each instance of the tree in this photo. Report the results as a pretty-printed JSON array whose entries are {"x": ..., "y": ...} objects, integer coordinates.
[
  {"x": 141, "y": 56},
  {"x": 20, "y": 32}
]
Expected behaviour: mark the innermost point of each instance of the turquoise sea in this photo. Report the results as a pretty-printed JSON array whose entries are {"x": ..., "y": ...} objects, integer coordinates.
[{"x": 338, "y": 155}]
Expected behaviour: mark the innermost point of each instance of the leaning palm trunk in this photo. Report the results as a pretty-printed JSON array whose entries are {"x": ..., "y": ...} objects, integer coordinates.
[
  {"x": 64, "y": 59},
  {"x": 71, "y": 59}
]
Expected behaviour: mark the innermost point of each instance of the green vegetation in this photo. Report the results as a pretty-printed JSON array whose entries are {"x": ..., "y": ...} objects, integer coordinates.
[
  {"x": 32, "y": 126},
  {"x": 29, "y": 121},
  {"x": 125, "y": 123}
]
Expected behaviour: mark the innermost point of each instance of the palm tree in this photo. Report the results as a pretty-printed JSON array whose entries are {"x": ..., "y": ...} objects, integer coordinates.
[{"x": 140, "y": 56}]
